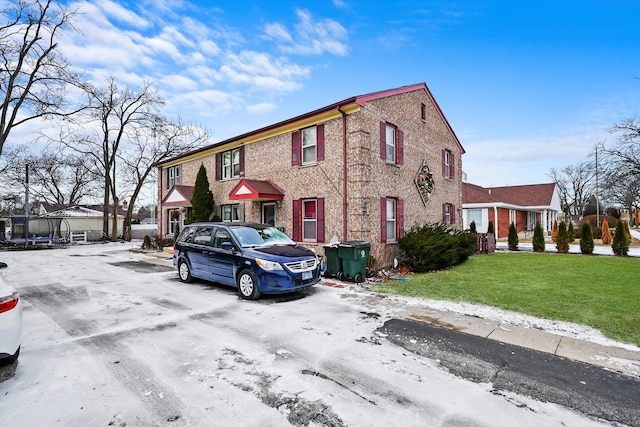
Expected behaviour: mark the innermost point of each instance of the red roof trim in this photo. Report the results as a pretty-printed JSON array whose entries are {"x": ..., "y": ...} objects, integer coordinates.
[{"x": 361, "y": 100}]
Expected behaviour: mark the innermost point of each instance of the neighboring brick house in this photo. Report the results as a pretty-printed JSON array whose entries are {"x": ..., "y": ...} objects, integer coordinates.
[
  {"x": 520, "y": 204},
  {"x": 365, "y": 168}
]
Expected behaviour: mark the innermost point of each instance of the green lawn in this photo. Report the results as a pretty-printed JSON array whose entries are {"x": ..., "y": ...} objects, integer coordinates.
[{"x": 599, "y": 291}]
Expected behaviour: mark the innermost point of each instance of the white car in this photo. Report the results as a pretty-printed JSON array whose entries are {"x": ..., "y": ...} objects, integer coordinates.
[{"x": 10, "y": 321}]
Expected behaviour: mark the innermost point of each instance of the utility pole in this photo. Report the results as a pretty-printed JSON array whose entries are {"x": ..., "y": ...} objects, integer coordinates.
[
  {"x": 597, "y": 191},
  {"x": 26, "y": 204}
]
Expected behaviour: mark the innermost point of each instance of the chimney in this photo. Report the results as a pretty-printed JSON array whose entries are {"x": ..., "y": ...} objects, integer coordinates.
[{"x": 124, "y": 205}]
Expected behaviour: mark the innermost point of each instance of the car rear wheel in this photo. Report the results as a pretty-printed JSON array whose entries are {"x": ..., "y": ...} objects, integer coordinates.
[
  {"x": 248, "y": 285},
  {"x": 184, "y": 272}
]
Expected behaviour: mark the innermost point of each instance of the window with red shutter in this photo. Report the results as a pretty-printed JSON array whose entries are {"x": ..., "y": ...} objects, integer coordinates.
[
  {"x": 320, "y": 142},
  {"x": 383, "y": 140},
  {"x": 383, "y": 219},
  {"x": 295, "y": 148},
  {"x": 218, "y": 166},
  {"x": 452, "y": 163},
  {"x": 320, "y": 232},
  {"x": 297, "y": 220},
  {"x": 400, "y": 216},
  {"x": 400, "y": 148}
]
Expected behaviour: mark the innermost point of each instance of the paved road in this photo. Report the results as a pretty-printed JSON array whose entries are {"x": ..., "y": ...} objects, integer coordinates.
[
  {"x": 113, "y": 338},
  {"x": 591, "y": 390}
]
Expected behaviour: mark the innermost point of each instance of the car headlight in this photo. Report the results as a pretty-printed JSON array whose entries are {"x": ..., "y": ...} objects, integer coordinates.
[{"x": 268, "y": 265}]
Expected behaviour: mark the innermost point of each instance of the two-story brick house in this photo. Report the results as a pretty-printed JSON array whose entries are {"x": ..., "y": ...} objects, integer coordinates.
[{"x": 365, "y": 168}]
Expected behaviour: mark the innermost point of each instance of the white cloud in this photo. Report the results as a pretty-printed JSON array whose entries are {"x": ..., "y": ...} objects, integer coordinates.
[
  {"x": 312, "y": 37},
  {"x": 277, "y": 32},
  {"x": 524, "y": 161},
  {"x": 121, "y": 14},
  {"x": 179, "y": 82},
  {"x": 261, "y": 71},
  {"x": 261, "y": 108}
]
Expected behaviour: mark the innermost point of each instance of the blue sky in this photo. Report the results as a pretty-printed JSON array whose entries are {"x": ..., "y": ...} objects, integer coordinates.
[{"x": 526, "y": 85}]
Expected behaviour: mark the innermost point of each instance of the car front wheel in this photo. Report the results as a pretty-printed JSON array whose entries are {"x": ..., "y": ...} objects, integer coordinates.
[
  {"x": 248, "y": 285},
  {"x": 184, "y": 272}
]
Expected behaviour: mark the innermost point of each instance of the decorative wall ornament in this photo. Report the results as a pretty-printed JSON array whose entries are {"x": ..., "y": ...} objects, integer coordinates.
[{"x": 424, "y": 181}]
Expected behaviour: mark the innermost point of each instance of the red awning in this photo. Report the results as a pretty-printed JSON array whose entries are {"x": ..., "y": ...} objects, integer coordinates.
[{"x": 255, "y": 190}]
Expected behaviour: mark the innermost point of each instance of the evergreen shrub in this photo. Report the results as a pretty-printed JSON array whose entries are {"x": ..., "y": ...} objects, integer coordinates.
[
  {"x": 562, "y": 239},
  {"x": 538, "y": 238},
  {"x": 513, "y": 237},
  {"x": 436, "y": 247},
  {"x": 620, "y": 243},
  {"x": 586, "y": 239}
]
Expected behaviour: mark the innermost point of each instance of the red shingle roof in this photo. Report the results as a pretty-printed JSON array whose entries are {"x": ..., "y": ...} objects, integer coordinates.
[{"x": 521, "y": 195}]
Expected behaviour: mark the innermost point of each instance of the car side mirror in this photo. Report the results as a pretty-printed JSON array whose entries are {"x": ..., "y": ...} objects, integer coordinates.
[
  {"x": 227, "y": 246},
  {"x": 3, "y": 265}
]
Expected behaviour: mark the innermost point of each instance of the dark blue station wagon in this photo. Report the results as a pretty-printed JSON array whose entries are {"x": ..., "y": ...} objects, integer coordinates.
[{"x": 255, "y": 258}]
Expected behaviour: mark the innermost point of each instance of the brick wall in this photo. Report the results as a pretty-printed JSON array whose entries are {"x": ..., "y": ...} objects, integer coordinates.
[{"x": 369, "y": 177}]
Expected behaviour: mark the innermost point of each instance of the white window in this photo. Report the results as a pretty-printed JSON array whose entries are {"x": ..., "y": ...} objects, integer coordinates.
[
  {"x": 309, "y": 220},
  {"x": 230, "y": 213},
  {"x": 390, "y": 137},
  {"x": 447, "y": 213},
  {"x": 231, "y": 164},
  {"x": 174, "y": 221},
  {"x": 475, "y": 215},
  {"x": 391, "y": 220},
  {"x": 174, "y": 176},
  {"x": 309, "y": 145},
  {"x": 447, "y": 164},
  {"x": 531, "y": 220},
  {"x": 512, "y": 216}
]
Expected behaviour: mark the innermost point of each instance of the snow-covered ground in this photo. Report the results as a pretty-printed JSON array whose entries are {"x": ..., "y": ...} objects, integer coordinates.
[{"x": 110, "y": 339}]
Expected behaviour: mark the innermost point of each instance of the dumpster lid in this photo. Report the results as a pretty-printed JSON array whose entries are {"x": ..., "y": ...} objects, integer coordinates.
[{"x": 356, "y": 244}]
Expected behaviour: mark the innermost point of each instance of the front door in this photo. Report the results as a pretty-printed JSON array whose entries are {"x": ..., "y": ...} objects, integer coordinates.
[{"x": 269, "y": 213}]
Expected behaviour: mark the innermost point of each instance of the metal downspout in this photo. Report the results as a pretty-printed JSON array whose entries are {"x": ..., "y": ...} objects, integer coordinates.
[{"x": 345, "y": 204}]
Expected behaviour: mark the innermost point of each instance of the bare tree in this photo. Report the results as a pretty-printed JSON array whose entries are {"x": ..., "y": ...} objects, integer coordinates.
[
  {"x": 54, "y": 177},
  {"x": 575, "y": 183},
  {"x": 165, "y": 140},
  {"x": 622, "y": 182},
  {"x": 626, "y": 152},
  {"x": 33, "y": 74},
  {"x": 113, "y": 117}
]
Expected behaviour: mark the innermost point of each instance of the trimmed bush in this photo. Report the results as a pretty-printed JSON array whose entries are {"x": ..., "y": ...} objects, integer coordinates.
[
  {"x": 620, "y": 243},
  {"x": 627, "y": 231},
  {"x": 571, "y": 232},
  {"x": 490, "y": 228},
  {"x": 562, "y": 240},
  {"x": 586, "y": 239},
  {"x": 513, "y": 237},
  {"x": 607, "y": 238},
  {"x": 538, "y": 238},
  {"x": 472, "y": 227},
  {"x": 436, "y": 247}
]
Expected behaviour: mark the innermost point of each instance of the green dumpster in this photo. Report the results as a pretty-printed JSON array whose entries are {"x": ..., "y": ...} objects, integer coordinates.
[
  {"x": 332, "y": 261},
  {"x": 354, "y": 256}
]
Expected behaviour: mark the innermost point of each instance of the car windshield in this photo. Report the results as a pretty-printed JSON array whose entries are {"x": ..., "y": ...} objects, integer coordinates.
[{"x": 250, "y": 237}]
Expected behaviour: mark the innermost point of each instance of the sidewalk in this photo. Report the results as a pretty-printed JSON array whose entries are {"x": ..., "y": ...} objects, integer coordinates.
[{"x": 619, "y": 359}]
